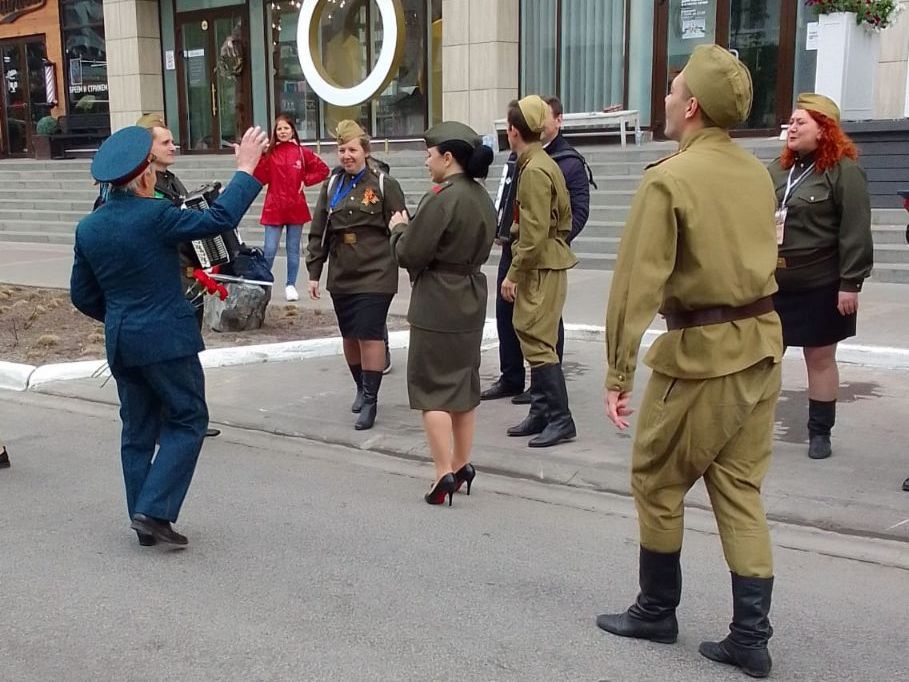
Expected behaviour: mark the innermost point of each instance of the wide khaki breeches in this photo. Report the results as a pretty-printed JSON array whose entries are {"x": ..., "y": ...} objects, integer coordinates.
[
  {"x": 537, "y": 311},
  {"x": 722, "y": 430}
]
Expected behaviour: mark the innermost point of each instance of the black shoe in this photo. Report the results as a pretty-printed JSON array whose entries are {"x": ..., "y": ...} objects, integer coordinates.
[
  {"x": 146, "y": 540},
  {"x": 356, "y": 371},
  {"x": 821, "y": 418},
  {"x": 819, "y": 447},
  {"x": 212, "y": 433},
  {"x": 500, "y": 390},
  {"x": 521, "y": 399},
  {"x": 746, "y": 645},
  {"x": 905, "y": 484},
  {"x": 559, "y": 424},
  {"x": 444, "y": 487},
  {"x": 372, "y": 380},
  {"x": 159, "y": 529},
  {"x": 4, "y": 459},
  {"x": 465, "y": 474},
  {"x": 652, "y": 616}
]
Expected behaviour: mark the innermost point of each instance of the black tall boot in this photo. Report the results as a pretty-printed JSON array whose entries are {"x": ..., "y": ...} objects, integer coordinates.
[
  {"x": 750, "y": 630},
  {"x": 4, "y": 459},
  {"x": 536, "y": 419},
  {"x": 356, "y": 371},
  {"x": 821, "y": 418},
  {"x": 372, "y": 380},
  {"x": 560, "y": 426},
  {"x": 652, "y": 616}
]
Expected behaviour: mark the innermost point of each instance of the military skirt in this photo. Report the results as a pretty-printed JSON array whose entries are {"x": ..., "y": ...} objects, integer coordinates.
[
  {"x": 810, "y": 317},
  {"x": 362, "y": 316},
  {"x": 443, "y": 370}
]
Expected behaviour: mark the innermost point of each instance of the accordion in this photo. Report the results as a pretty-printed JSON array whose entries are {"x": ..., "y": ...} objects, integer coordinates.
[{"x": 221, "y": 248}]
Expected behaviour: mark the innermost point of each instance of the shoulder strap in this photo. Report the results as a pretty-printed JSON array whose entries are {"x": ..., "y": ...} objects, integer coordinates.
[
  {"x": 572, "y": 153},
  {"x": 381, "y": 185}
]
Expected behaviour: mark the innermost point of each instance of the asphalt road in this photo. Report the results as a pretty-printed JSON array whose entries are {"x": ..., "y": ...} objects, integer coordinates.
[{"x": 316, "y": 562}]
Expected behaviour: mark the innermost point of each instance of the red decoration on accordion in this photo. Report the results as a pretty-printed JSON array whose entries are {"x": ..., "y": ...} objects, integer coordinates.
[{"x": 211, "y": 286}]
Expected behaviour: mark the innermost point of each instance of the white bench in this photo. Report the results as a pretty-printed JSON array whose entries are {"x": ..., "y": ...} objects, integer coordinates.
[{"x": 597, "y": 122}]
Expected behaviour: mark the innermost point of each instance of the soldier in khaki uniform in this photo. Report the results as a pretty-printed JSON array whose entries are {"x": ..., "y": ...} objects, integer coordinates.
[
  {"x": 537, "y": 280},
  {"x": 700, "y": 248},
  {"x": 443, "y": 248},
  {"x": 350, "y": 231}
]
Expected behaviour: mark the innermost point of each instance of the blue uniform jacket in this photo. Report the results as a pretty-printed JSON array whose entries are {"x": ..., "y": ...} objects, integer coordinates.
[{"x": 126, "y": 271}]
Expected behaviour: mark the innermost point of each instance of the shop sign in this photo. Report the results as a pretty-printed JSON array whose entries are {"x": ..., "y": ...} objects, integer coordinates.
[
  {"x": 391, "y": 14},
  {"x": 10, "y": 10}
]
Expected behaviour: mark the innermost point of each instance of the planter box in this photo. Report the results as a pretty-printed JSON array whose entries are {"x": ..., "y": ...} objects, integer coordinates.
[
  {"x": 42, "y": 147},
  {"x": 847, "y": 59}
]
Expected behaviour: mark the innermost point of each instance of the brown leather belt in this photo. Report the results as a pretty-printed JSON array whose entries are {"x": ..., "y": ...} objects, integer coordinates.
[
  {"x": 464, "y": 269},
  {"x": 718, "y": 315},
  {"x": 808, "y": 259}
]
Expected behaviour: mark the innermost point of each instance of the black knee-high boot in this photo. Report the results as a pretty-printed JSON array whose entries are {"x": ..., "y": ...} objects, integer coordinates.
[
  {"x": 652, "y": 616},
  {"x": 750, "y": 630},
  {"x": 372, "y": 380},
  {"x": 356, "y": 371},
  {"x": 821, "y": 418}
]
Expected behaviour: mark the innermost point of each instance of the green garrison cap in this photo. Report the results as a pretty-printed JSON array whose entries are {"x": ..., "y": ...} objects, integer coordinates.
[
  {"x": 721, "y": 84},
  {"x": 348, "y": 130},
  {"x": 535, "y": 112},
  {"x": 448, "y": 131},
  {"x": 811, "y": 101}
]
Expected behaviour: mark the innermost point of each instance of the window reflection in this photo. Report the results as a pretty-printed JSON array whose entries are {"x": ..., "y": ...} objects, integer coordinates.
[{"x": 85, "y": 56}]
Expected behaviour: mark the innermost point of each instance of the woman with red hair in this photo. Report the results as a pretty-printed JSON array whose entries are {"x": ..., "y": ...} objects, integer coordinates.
[{"x": 825, "y": 250}]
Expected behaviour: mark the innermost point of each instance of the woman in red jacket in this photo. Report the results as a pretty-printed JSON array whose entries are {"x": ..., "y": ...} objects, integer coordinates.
[{"x": 287, "y": 168}]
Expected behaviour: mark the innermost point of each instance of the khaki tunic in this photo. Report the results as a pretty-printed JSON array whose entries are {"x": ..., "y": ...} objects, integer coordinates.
[
  {"x": 541, "y": 256},
  {"x": 828, "y": 216},
  {"x": 356, "y": 246},
  {"x": 701, "y": 234},
  {"x": 453, "y": 229}
]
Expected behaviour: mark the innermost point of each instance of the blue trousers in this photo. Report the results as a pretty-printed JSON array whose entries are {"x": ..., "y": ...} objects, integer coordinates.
[
  {"x": 511, "y": 360},
  {"x": 164, "y": 401},
  {"x": 273, "y": 240}
]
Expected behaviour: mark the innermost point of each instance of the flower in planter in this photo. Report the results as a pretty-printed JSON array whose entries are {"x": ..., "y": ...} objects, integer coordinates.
[{"x": 875, "y": 15}]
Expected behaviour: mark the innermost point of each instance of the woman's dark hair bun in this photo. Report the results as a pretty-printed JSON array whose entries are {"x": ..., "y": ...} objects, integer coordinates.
[{"x": 480, "y": 159}]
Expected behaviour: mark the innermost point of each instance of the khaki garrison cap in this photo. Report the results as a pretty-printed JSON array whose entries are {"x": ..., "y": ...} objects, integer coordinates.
[
  {"x": 448, "y": 131},
  {"x": 348, "y": 130},
  {"x": 721, "y": 84},
  {"x": 810, "y": 101},
  {"x": 535, "y": 112}
]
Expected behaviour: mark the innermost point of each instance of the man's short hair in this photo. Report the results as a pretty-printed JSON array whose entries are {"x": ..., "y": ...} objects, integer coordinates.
[
  {"x": 150, "y": 121},
  {"x": 555, "y": 104},
  {"x": 515, "y": 118}
]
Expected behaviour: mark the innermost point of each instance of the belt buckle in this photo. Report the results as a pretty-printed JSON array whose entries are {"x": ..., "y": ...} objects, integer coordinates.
[
  {"x": 781, "y": 262},
  {"x": 350, "y": 237}
]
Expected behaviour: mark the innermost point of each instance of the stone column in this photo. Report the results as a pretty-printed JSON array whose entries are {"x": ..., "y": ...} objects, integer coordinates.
[
  {"x": 891, "y": 91},
  {"x": 133, "y": 43},
  {"x": 479, "y": 60}
]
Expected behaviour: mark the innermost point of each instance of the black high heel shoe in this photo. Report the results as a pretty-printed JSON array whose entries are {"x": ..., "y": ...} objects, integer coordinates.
[
  {"x": 445, "y": 487},
  {"x": 465, "y": 474}
]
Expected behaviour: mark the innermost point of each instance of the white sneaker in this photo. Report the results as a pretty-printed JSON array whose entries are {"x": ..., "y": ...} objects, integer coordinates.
[{"x": 290, "y": 293}]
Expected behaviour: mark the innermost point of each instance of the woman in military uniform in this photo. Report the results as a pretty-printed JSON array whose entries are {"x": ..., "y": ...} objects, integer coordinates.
[
  {"x": 350, "y": 232},
  {"x": 825, "y": 250},
  {"x": 443, "y": 248}
]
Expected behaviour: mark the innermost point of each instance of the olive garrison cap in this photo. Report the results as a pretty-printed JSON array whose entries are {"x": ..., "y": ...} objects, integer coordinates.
[
  {"x": 535, "y": 112},
  {"x": 348, "y": 130},
  {"x": 811, "y": 101},
  {"x": 151, "y": 121},
  {"x": 123, "y": 156},
  {"x": 449, "y": 131},
  {"x": 721, "y": 84}
]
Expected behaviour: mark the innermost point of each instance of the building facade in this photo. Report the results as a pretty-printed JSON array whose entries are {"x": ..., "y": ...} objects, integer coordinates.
[{"x": 216, "y": 66}]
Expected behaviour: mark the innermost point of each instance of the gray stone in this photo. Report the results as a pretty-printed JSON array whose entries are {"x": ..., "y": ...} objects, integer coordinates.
[{"x": 242, "y": 310}]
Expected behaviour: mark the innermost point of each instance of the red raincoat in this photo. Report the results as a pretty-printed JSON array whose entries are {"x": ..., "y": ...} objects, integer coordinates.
[{"x": 283, "y": 169}]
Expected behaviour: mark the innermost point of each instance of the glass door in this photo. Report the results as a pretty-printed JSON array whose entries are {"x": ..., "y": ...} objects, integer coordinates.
[{"x": 213, "y": 77}]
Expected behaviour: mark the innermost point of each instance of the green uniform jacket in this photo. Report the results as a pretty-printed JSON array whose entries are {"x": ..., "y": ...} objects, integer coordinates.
[
  {"x": 455, "y": 224},
  {"x": 829, "y": 215},
  {"x": 542, "y": 216},
  {"x": 701, "y": 234},
  {"x": 356, "y": 246}
]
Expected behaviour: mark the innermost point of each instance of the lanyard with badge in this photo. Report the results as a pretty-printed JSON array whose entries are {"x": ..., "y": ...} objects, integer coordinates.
[
  {"x": 344, "y": 189},
  {"x": 784, "y": 204}
]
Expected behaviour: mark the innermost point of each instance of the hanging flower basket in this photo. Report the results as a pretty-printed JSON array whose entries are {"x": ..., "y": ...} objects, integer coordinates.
[{"x": 875, "y": 15}]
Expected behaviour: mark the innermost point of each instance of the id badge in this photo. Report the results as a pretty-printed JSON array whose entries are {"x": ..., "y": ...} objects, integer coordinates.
[{"x": 780, "y": 217}]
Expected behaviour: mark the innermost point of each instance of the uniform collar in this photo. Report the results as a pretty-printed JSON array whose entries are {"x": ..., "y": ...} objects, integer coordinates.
[
  {"x": 702, "y": 136},
  {"x": 532, "y": 149}
]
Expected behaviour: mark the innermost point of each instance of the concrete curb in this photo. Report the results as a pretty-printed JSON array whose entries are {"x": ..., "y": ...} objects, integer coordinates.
[{"x": 21, "y": 377}]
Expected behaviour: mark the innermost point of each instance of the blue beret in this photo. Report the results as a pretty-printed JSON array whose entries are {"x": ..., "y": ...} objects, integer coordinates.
[{"x": 123, "y": 156}]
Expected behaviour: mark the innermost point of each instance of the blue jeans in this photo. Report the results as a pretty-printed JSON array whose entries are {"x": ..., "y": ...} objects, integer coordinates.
[{"x": 273, "y": 239}]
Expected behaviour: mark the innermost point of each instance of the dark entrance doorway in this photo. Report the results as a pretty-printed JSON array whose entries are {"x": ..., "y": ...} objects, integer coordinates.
[
  {"x": 213, "y": 78},
  {"x": 23, "y": 98},
  {"x": 761, "y": 32}
]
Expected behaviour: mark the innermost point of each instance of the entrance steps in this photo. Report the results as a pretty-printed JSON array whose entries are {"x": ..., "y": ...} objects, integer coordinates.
[{"x": 41, "y": 201}]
